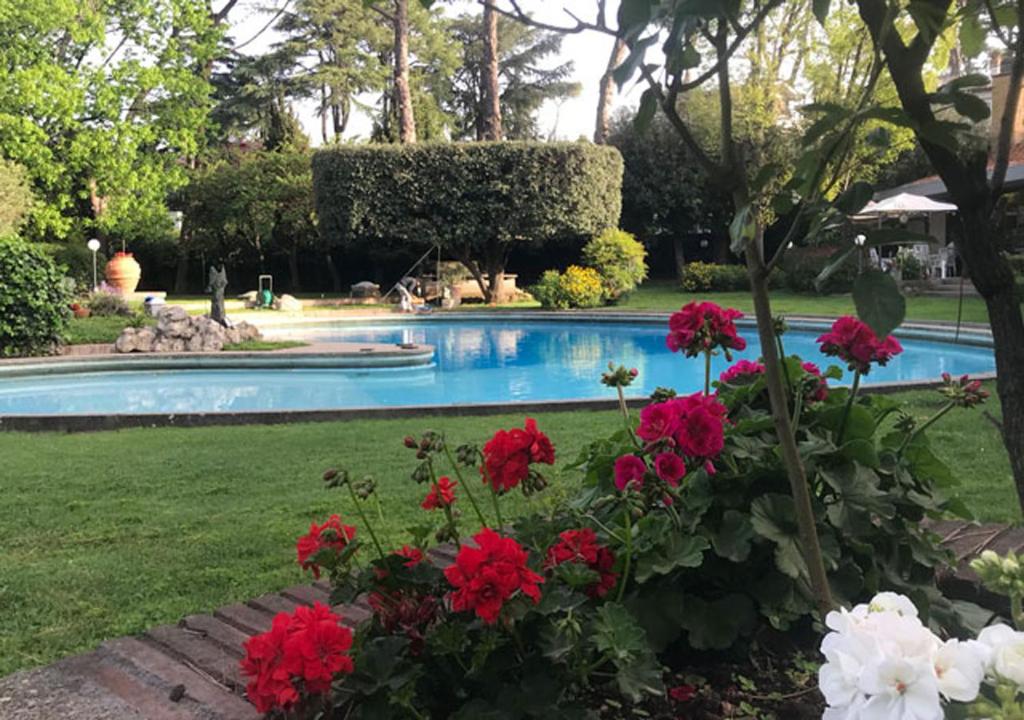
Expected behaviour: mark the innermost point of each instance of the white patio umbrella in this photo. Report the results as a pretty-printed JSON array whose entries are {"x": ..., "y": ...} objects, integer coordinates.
[{"x": 904, "y": 204}]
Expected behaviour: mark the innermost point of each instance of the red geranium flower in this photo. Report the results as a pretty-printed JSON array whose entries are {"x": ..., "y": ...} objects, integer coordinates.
[
  {"x": 670, "y": 468},
  {"x": 409, "y": 614},
  {"x": 629, "y": 471},
  {"x": 444, "y": 498},
  {"x": 509, "y": 454},
  {"x": 702, "y": 327},
  {"x": 700, "y": 432},
  {"x": 742, "y": 371},
  {"x": 413, "y": 555},
  {"x": 332, "y": 535},
  {"x": 301, "y": 652},
  {"x": 682, "y": 693},
  {"x": 658, "y": 421},
  {"x": 580, "y": 546},
  {"x": 486, "y": 576},
  {"x": 819, "y": 392},
  {"x": 855, "y": 343}
]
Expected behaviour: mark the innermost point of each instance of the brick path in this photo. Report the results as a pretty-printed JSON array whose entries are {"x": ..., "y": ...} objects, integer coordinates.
[{"x": 189, "y": 671}]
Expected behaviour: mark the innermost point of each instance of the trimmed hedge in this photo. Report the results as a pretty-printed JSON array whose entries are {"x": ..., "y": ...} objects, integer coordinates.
[
  {"x": 34, "y": 300},
  {"x": 475, "y": 200},
  {"x": 704, "y": 277}
]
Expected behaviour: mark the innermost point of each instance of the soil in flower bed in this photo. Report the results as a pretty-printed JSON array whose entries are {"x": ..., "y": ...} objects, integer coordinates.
[{"x": 767, "y": 685}]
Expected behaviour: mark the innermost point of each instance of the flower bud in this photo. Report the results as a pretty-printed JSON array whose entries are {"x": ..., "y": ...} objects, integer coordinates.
[
  {"x": 410, "y": 442},
  {"x": 330, "y": 474}
]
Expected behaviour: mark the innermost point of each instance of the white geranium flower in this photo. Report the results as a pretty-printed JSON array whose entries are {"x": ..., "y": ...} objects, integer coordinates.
[
  {"x": 959, "y": 670},
  {"x": 902, "y": 636},
  {"x": 839, "y": 677},
  {"x": 1007, "y": 652},
  {"x": 900, "y": 689},
  {"x": 892, "y": 602}
]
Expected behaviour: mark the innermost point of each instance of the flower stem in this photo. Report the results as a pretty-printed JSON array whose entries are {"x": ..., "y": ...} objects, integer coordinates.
[
  {"x": 782, "y": 363},
  {"x": 366, "y": 520},
  {"x": 927, "y": 424},
  {"x": 849, "y": 406},
  {"x": 629, "y": 555},
  {"x": 707, "y": 373},
  {"x": 1016, "y": 611},
  {"x": 465, "y": 486},
  {"x": 623, "y": 409},
  {"x": 497, "y": 507}
]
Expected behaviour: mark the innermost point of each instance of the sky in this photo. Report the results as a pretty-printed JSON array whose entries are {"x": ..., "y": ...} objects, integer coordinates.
[{"x": 569, "y": 120}]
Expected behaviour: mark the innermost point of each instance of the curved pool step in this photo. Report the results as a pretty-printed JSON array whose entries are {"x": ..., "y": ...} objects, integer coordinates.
[{"x": 319, "y": 356}]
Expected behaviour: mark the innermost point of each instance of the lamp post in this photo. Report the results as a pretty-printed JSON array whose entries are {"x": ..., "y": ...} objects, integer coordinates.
[{"x": 93, "y": 245}]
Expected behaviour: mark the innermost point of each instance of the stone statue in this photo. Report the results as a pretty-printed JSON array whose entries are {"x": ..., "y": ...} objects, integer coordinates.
[{"x": 218, "y": 280}]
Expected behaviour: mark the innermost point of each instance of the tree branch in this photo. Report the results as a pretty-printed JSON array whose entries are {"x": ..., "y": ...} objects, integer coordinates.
[{"x": 1006, "y": 122}]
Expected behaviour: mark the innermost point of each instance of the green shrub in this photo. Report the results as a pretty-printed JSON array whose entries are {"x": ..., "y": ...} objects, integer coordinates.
[
  {"x": 620, "y": 260},
  {"x": 477, "y": 201},
  {"x": 804, "y": 264},
  {"x": 108, "y": 304},
  {"x": 1017, "y": 263},
  {"x": 577, "y": 287},
  {"x": 548, "y": 291},
  {"x": 711, "y": 277},
  {"x": 34, "y": 300}
]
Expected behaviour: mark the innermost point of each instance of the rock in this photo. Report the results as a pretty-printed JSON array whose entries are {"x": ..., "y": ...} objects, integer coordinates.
[
  {"x": 365, "y": 289},
  {"x": 287, "y": 303},
  {"x": 177, "y": 332}
]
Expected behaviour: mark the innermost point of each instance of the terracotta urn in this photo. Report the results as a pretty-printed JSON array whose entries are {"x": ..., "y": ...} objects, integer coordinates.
[{"x": 123, "y": 272}]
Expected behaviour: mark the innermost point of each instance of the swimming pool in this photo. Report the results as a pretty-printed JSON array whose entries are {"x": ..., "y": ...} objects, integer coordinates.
[{"x": 493, "y": 360}]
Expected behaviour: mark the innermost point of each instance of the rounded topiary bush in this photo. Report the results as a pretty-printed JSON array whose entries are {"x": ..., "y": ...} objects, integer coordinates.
[
  {"x": 620, "y": 260},
  {"x": 34, "y": 300}
]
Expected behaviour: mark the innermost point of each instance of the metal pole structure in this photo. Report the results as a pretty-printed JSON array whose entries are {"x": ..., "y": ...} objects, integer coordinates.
[{"x": 94, "y": 245}]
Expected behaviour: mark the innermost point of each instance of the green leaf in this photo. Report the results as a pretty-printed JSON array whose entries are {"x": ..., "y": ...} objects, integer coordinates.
[
  {"x": 764, "y": 176},
  {"x": 742, "y": 228},
  {"x": 631, "y": 64},
  {"x": 833, "y": 266},
  {"x": 854, "y": 198},
  {"x": 820, "y": 10},
  {"x": 941, "y": 133},
  {"x": 971, "y": 106},
  {"x": 675, "y": 551},
  {"x": 879, "y": 302},
  {"x": 858, "y": 486},
  {"x": 862, "y": 450},
  {"x": 972, "y": 35},
  {"x": 928, "y": 17},
  {"x": 732, "y": 541},
  {"x": 634, "y": 15},
  {"x": 648, "y": 107},
  {"x": 716, "y": 625}
]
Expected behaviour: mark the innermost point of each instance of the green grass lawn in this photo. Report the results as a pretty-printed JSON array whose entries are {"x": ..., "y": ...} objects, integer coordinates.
[
  {"x": 654, "y": 296},
  {"x": 108, "y": 534},
  {"x": 97, "y": 330}
]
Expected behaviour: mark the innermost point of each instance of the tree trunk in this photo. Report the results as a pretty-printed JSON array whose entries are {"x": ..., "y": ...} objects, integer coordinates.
[
  {"x": 606, "y": 93},
  {"x": 809, "y": 543},
  {"x": 474, "y": 269},
  {"x": 403, "y": 93},
  {"x": 994, "y": 280},
  {"x": 181, "y": 274},
  {"x": 332, "y": 270},
  {"x": 293, "y": 268},
  {"x": 679, "y": 254},
  {"x": 491, "y": 89}
]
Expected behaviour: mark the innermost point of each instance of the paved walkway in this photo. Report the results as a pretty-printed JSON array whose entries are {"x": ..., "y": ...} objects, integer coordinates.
[{"x": 190, "y": 671}]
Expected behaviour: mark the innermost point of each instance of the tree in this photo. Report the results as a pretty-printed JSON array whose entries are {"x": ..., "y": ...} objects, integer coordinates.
[
  {"x": 340, "y": 44},
  {"x": 527, "y": 83},
  {"x": 15, "y": 197},
  {"x": 665, "y": 192},
  {"x": 476, "y": 201},
  {"x": 907, "y": 38},
  {"x": 252, "y": 205},
  {"x": 99, "y": 131},
  {"x": 491, "y": 105},
  {"x": 606, "y": 92},
  {"x": 432, "y": 60}
]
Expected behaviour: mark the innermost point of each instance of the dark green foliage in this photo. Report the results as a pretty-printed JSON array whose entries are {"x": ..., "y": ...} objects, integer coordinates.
[
  {"x": 34, "y": 300},
  {"x": 705, "y": 277},
  {"x": 15, "y": 196},
  {"x": 477, "y": 201},
  {"x": 804, "y": 264}
]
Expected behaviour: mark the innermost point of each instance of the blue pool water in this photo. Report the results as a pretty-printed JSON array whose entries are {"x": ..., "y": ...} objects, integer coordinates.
[{"x": 489, "y": 361}]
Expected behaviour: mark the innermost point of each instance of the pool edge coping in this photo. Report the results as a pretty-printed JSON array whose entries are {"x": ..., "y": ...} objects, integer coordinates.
[{"x": 79, "y": 422}]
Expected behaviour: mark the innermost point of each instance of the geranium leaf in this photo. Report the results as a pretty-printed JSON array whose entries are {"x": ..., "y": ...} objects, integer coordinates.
[
  {"x": 716, "y": 625},
  {"x": 732, "y": 541},
  {"x": 675, "y": 552}
]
